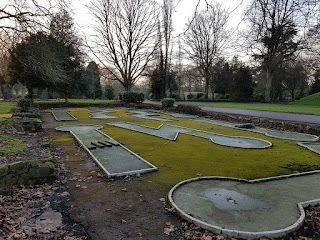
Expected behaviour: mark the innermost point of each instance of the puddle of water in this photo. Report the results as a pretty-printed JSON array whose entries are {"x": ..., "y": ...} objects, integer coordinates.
[{"x": 225, "y": 199}]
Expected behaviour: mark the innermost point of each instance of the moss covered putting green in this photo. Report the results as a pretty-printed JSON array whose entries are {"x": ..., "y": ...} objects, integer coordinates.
[
  {"x": 190, "y": 156},
  {"x": 9, "y": 145}
]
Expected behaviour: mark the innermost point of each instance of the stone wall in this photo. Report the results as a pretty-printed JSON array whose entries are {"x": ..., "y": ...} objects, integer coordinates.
[
  {"x": 25, "y": 172},
  {"x": 267, "y": 123}
]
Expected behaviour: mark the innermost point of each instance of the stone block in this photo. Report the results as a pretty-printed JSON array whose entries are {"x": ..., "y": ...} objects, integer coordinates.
[
  {"x": 4, "y": 170},
  {"x": 44, "y": 171},
  {"x": 18, "y": 168}
]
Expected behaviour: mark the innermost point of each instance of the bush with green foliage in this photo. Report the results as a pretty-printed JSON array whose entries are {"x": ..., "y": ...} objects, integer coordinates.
[
  {"x": 167, "y": 102},
  {"x": 192, "y": 110},
  {"x": 174, "y": 95},
  {"x": 132, "y": 96},
  {"x": 189, "y": 96},
  {"x": 25, "y": 104},
  {"x": 109, "y": 92},
  {"x": 200, "y": 95}
]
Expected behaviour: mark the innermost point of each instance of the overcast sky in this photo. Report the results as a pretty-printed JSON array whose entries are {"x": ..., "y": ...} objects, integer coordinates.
[{"x": 182, "y": 12}]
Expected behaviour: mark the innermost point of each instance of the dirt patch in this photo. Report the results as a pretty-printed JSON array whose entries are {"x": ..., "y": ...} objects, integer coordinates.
[{"x": 94, "y": 207}]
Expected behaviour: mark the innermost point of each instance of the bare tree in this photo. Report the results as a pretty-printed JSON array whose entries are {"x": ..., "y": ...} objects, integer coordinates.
[
  {"x": 206, "y": 37},
  {"x": 273, "y": 35},
  {"x": 125, "y": 37},
  {"x": 167, "y": 33},
  {"x": 27, "y": 15},
  {"x": 4, "y": 60}
]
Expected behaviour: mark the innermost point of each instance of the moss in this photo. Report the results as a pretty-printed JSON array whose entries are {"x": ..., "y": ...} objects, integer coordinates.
[
  {"x": 190, "y": 156},
  {"x": 11, "y": 145},
  {"x": 6, "y": 115},
  {"x": 6, "y": 107}
]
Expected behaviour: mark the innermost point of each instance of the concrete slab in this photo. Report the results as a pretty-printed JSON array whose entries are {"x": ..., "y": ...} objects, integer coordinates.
[
  {"x": 303, "y": 137},
  {"x": 171, "y": 132},
  {"x": 148, "y": 115},
  {"x": 102, "y": 114},
  {"x": 62, "y": 115},
  {"x": 116, "y": 160},
  {"x": 177, "y": 115},
  {"x": 314, "y": 147},
  {"x": 247, "y": 209}
]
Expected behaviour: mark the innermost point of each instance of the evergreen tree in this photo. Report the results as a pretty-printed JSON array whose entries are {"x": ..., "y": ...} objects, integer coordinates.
[
  {"x": 62, "y": 29},
  {"x": 315, "y": 87},
  {"x": 36, "y": 62},
  {"x": 109, "y": 92},
  {"x": 242, "y": 84},
  {"x": 92, "y": 76}
]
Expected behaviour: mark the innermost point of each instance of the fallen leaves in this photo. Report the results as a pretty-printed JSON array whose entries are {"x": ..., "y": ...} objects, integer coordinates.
[{"x": 21, "y": 208}]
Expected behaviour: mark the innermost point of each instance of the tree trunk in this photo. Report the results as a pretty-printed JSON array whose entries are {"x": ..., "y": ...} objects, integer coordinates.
[
  {"x": 292, "y": 95},
  {"x": 206, "y": 88},
  {"x": 267, "y": 96},
  {"x": 30, "y": 93}
]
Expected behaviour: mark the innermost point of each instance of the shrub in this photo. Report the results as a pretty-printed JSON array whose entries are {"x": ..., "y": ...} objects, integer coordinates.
[
  {"x": 132, "y": 97},
  {"x": 174, "y": 95},
  {"x": 200, "y": 95},
  {"x": 109, "y": 92},
  {"x": 189, "y": 96},
  {"x": 25, "y": 104},
  {"x": 167, "y": 102},
  {"x": 192, "y": 110}
]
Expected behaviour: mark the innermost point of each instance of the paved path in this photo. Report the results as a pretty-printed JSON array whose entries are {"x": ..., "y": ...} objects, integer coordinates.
[{"x": 296, "y": 117}]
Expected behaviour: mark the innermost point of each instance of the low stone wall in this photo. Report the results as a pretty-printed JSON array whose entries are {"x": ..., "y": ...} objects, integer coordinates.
[
  {"x": 25, "y": 172},
  {"x": 267, "y": 123},
  {"x": 274, "y": 124}
]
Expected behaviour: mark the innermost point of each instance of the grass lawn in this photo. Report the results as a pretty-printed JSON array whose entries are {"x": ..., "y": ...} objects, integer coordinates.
[
  {"x": 292, "y": 108},
  {"x": 190, "y": 156}
]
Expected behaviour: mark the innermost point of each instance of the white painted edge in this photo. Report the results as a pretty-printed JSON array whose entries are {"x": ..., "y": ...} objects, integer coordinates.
[
  {"x": 243, "y": 234},
  {"x": 139, "y": 114},
  {"x": 269, "y": 144},
  {"x": 54, "y": 115},
  {"x": 305, "y": 145},
  {"x": 103, "y": 111},
  {"x": 191, "y": 117},
  {"x": 204, "y": 120},
  {"x": 151, "y": 169}
]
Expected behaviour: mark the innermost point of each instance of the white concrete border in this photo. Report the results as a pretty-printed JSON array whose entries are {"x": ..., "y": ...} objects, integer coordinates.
[
  {"x": 243, "y": 234},
  {"x": 103, "y": 111},
  {"x": 52, "y": 111},
  {"x": 305, "y": 145},
  {"x": 214, "y": 122},
  {"x": 151, "y": 169},
  {"x": 269, "y": 144}
]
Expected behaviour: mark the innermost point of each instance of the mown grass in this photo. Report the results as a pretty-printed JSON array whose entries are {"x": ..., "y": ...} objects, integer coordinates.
[
  {"x": 311, "y": 100},
  {"x": 190, "y": 156},
  {"x": 306, "y": 108}
]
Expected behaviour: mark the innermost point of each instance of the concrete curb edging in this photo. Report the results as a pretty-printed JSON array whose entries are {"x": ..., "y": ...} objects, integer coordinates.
[
  {"x": 269, "y": 144},
  {"x": 215, "y": 122},
  {"x": 151, "y": 169},
  {"x": 304, "y": 144},
  {"x": 67, "y": 112},
  {"x": 243, "y": 234}
]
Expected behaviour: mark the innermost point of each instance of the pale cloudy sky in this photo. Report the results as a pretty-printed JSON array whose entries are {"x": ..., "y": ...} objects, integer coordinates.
[{"x": 182, "y": 12}]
